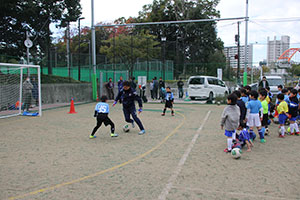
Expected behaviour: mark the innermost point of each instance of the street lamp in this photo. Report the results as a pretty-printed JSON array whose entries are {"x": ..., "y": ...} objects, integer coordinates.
[
  {"x": 89, "y": 42},
  {"x": 163, "y": 39},
  {"x": 79, "y": 47}
]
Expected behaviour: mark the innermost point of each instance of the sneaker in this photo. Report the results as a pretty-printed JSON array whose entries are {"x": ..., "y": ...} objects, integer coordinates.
[
  {"x": 262, "y": 140},
  {"x": 162, "y": 114},
  {"x": 142, "y": 132},
  {"x": 132, "y": 124},
  {"x": 114, "y": 135},
  {"x": 281, "y": 136},
  {"x": 92, "y": 136},
  {"x": 172, "y": 114},
  {"x": 227, "y": 151},
  {"x": 297, "y": 134}
]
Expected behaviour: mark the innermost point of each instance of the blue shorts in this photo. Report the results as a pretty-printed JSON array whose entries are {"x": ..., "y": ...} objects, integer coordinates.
[
  {"x": 293, "y": 119},
  {"x": 282, "y": 118},
  {"x": 229, "y": 133}
]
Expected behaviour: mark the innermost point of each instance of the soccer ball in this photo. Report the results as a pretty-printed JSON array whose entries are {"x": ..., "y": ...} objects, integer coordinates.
[
  {"x": 126, "y": 128},
  {"x": 236, "y": 153},
  {"x": 289, "y": 130},
  {"x": 218, "y": 103}
]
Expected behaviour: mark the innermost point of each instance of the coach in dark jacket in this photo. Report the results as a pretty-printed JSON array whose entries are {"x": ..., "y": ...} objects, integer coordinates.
[{"x": 263, "y": 83}]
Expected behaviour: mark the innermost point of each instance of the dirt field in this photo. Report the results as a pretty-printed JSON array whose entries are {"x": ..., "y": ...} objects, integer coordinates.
[{"x": 179, "y": 157}]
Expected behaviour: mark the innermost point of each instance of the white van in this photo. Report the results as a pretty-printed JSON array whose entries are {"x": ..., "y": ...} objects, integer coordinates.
[
  {"x": 206, "y": 87},
  {"x": 274, "y": 81}
]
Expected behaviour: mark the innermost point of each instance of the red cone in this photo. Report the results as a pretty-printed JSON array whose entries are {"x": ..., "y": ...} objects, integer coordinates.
[{"x": 72, "y": 107}]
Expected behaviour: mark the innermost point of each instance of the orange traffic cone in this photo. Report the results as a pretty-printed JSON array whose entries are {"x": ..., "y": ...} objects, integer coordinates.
[{"x": 72, "y": 107}]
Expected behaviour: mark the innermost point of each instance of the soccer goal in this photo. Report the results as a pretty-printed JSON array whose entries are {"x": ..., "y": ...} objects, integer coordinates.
[{"x": 20, "y": 90}]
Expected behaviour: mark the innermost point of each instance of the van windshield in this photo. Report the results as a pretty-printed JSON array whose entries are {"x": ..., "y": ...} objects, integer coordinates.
[
  {"x": 275, "y": 82},
  {"x": 197, "y": 81}
]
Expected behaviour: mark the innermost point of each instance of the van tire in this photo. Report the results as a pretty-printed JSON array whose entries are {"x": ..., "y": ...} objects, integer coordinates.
[{"x": 211, "y": 96}]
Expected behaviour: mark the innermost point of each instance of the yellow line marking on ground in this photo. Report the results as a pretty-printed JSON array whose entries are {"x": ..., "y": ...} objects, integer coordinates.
[{"x": 106, "y": 170}]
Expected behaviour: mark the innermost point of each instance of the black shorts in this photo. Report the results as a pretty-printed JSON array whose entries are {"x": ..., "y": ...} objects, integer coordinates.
[
  {"x": 265, "y": 120},
  {"x": 103, "y": 118},
  {"x": 169, "y": 104}
]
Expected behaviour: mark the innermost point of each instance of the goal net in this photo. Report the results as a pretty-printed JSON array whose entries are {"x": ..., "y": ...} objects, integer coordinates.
[{"x": 20, "y": 90}]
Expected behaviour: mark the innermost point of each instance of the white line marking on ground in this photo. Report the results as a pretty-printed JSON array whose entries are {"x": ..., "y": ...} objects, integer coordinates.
[{"x": 175, "y": 174}]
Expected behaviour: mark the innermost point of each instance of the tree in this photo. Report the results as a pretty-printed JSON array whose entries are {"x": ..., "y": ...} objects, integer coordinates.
[
  {"x": 127, "y": 48},
  {"x": 195, "y": 41},
  {"x": 294, "y": 70},
  {"x": 35, "y": 16}
]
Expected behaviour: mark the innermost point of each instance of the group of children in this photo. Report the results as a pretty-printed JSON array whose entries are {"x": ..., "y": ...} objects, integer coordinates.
[
  {"x": 128, "y": 96},
  {"x": 248, "y": 109}
]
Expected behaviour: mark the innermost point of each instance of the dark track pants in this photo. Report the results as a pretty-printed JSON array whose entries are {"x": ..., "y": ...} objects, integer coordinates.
[{"x": 132, "y": 111}]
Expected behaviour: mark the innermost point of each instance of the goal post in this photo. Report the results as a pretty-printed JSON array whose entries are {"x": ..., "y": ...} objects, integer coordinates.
[{"x": 20, "y": 90}]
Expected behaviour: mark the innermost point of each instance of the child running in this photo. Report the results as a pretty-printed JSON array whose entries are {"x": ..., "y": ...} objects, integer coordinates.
[
  {"x": 101, "y": 112},
  {"x": 282, "y": 110},
  {"x": 230, "y": 119},
  {"x": 255, "y": 115},
  {"x": 169, "y": 97},
  {"x": 293, "y": 111},
  {"x": 129, "y": 96}
]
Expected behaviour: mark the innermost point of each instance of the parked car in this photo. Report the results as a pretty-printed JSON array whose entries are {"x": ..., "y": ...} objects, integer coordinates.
[
  {"x": 274, "y": 81},
  {"x": 206, "y": 87},
  {"x": 254, "y": 86}
]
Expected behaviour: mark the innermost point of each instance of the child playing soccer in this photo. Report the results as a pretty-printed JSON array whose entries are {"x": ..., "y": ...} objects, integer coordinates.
[
  {"x": 255, "y": 115},
  {"x": 244, "y": 138},
  {"x": 265, "y": 105},
  {"x": 128, "y": 96},
  {"x": 230, "y": 119},
  {"x": 242, "y": 106},
  {"x": 244, "y": 96},
  {"x": 293, "y": 111},
  {"x": 101, "y": 112},
  {"x": 282, "y": 110},
  {"x": 169, "y": 97}
]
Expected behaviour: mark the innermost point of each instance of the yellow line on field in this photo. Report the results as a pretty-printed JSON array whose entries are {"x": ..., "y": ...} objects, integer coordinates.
[{"x": 106, "y": 170}]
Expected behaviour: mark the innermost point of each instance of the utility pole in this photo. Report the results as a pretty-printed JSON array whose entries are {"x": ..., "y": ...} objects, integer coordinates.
[
  {"x": 94, "y": 78},
  {"x": 148, "y": 59},
  {"x": 246, "y": 44},
  {"x": 131, "y": 44},
  {"x": 79, "y": 34},
  {"x": 237, "y": 40},
  {"x": 68, "y": 50}
]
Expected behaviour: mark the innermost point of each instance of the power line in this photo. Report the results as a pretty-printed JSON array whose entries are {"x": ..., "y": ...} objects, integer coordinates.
[
  {"x": 171, "y": 22},
  {"x": 290, "y": 19}
]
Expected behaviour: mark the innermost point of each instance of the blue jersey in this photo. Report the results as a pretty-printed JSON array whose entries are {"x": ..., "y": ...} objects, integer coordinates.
[
  {"x": 244, "y": 135},
  {"x": 287, "y": 99},
  {"x": 254, "y": 106},
  {"x": 102, "y": 108},
  {"x": 245, "y": 99},
  {"x": 169, "y": 96}
]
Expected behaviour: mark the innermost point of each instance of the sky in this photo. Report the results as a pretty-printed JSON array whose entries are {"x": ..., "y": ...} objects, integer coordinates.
[{"x": 267, "y": 18}]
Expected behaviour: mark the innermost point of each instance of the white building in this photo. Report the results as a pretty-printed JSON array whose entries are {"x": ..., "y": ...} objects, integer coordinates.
[
  {"x": 276, "y": 48},
  {"x": 230, "y": 53}
]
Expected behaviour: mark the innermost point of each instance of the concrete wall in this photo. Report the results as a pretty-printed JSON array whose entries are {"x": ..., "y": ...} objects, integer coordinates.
[{"x": 61, "y": 93}]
